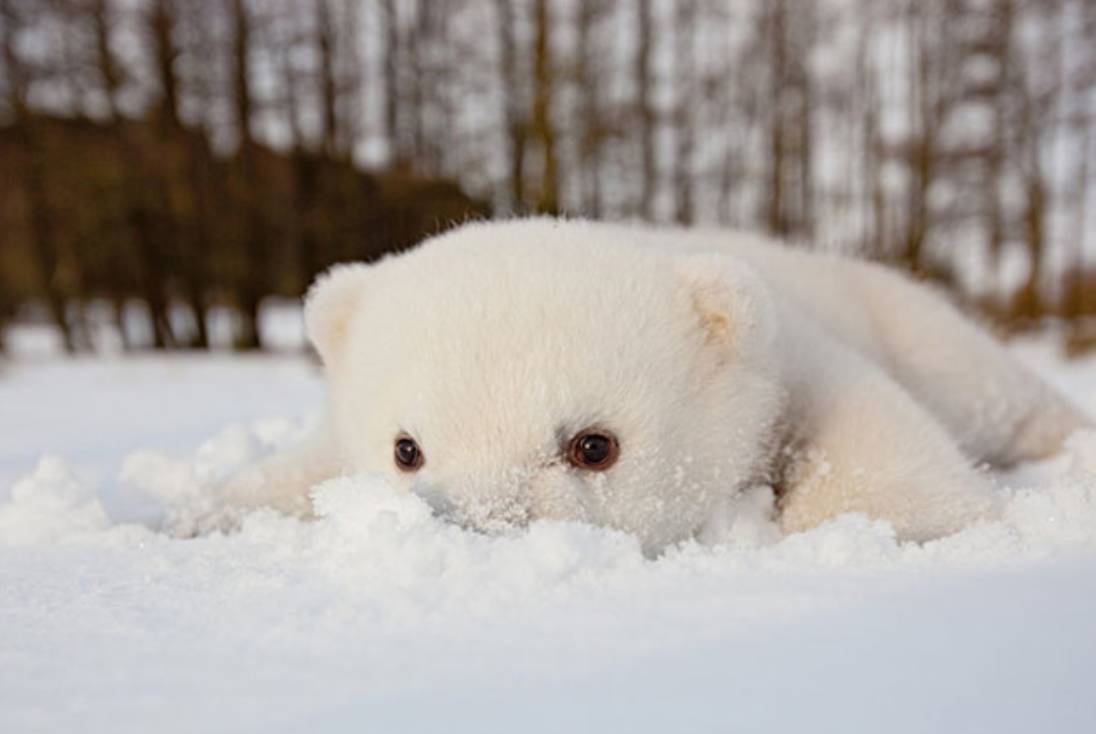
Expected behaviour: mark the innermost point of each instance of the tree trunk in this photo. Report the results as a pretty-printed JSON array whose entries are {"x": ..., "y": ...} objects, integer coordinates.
[
  {"x": 325, "y": 42},
  {"x": 250, "y": 289},
  {"x": 543, "y": 128},
  {"x": 248, "y": 337},
  {"x": 644, "y": 111},
  {"x": 45, "y": 244},
  {"x": 392, "y": 62},
  {"x": 776, "y": 203},
  {"x": 588, "y": 82},
  {"x": 514, "y": 117},
  {"x": 685, "y": 71}
]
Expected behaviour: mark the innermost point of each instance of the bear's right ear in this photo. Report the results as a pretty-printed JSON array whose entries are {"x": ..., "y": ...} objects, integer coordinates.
[
  {"x": 730, "y": 302},
  {"x": 330, "y": 305}
]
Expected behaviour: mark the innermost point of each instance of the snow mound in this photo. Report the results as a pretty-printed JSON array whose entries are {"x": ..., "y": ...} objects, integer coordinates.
[
  {"x": 49, "y": 506},
  {"x": 389, "y": 536}
]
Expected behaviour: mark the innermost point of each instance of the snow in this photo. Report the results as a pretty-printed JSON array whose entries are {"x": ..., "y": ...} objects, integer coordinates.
[{"x": 377, "y": 616}]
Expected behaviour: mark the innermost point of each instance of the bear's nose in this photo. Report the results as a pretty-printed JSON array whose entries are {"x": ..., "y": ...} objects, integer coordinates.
[
  {"x": 492, "y": 514},
  {"x": 488, "y": 504},
  {"x": 435, "y": 496}
]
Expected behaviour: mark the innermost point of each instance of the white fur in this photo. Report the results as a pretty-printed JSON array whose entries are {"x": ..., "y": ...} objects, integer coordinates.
[{"x": 719, "y": 359}]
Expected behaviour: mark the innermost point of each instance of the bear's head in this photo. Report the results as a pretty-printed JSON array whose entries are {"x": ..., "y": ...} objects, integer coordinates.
[{"x": 541, "y": 369}]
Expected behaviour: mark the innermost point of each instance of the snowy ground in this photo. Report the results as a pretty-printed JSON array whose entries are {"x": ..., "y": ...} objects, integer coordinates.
[{"x": 378, "y": 617}]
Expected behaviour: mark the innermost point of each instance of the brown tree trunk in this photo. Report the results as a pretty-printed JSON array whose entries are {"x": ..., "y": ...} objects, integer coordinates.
[
  {"x": 153, "y": 277},
  {"x": 922, "y": 144},
  {"x": 46, "y": 248},
  {"x": 325, "y": 43},
  {"x": 588, "y": 82},
  {"x": 644, "y": 111},
  {"x": 195, "y": 268},
  {"x": 251, "y": 286},
  {"x": 776, "y": 200},
  {"x": 514, "y": 117},
  {"x": 543, "y": 128},
  {"x": 804, "y": 122},
  {"x": 684, "y": 32},
  {"x": 45, "y": 244},
  {"x": 392, "y": 62},
  {"x": 874, "y": 240},
  {"x": 1077, "y": 302}
]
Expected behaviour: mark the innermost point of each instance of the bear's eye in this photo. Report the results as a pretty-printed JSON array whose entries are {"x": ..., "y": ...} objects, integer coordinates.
[
  {"x": 407, "y": 453},
  {"x": 594, "y": 450}
]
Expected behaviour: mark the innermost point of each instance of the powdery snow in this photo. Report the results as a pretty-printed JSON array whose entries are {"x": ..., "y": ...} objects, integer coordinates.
[{"x": 379, "y": 617}]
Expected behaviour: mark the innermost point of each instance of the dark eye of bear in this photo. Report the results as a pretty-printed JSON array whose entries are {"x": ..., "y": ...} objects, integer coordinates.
[
  {"x": 593, "y": 450},
  {"x": 408, "y": 454}
]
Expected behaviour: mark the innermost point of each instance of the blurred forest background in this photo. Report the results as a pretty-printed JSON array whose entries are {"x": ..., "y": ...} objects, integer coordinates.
[{"x": 163, "y": 161}]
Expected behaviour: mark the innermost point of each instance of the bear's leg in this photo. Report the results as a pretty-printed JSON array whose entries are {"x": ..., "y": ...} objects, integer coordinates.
[
  {"x": 861, "y": 443},
  {"x": 281, "y": 481},
  {"x": 997, "y": 410}
]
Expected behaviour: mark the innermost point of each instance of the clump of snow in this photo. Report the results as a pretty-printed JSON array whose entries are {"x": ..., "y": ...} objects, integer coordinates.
[
  {"x": 49, "y": 506},
  {"x": 389, "y": 542},
  {"x": 379, "y": 615},
  {"x": 364, "y": 517}
]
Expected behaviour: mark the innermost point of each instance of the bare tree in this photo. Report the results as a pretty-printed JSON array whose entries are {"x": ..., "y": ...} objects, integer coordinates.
[
  {"x": 542, "y": 127},
  {"x": 875, "y": 237},
  {"x": 588, "y": 80},
  {"x": 1080, "y": 298},
  {"x": 159, "y": 239},
  {"x": 930, "y": 59},
  {"x": 787, "y": 39},
  {"x": 685, "y": 86},
  {"x": 515, "y": 119},
  {"x": 645, "y": 113},
  {"x": 1039, "y": 82},
  {"x": 325, "y": 43},
  {"x": 393, "y": 59},
  {"x": 998, "y": 51},
  {"x": 252, "y": 285},
  {"x": 774, "y": 19},
  {"x": 46, "y": 246}
]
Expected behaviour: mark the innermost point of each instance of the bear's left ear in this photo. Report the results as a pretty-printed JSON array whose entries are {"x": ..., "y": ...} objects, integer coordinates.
[
  {"x": 731, "y": 302},
  {"x": 330, "y": 305}
]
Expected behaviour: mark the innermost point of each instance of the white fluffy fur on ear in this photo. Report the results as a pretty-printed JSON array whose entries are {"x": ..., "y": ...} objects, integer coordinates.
[
  {"x": 330, "y": 305},
  {"x": 732, "y": 302}
]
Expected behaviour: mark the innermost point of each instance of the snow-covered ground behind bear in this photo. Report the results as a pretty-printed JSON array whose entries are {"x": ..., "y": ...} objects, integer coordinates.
[{"x": 380, "y": 617}]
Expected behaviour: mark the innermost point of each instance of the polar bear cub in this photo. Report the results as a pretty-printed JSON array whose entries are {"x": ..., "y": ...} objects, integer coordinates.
[{"x": 638, "y": 377}]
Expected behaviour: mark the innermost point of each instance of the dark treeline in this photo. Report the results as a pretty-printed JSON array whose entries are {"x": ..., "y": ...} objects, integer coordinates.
[
  {"x": 186, "y": 154},
  {"x": 104, "y": 204}
]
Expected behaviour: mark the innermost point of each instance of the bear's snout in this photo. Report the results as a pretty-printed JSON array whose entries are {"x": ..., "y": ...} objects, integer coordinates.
[{"x": 484, "y": 505}]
